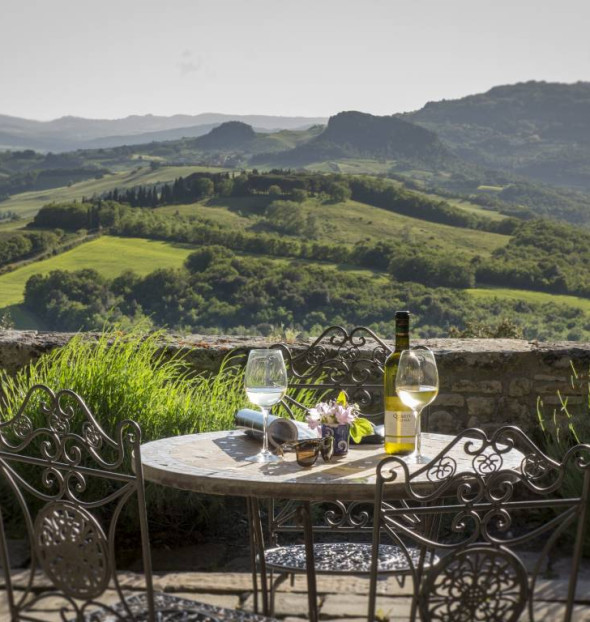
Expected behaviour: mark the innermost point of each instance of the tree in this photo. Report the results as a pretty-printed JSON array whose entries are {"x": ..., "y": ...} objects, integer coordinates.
[
  {"x": 339, "y": 192},
  {"x": 299, "y": 195},
  {"x": 204, "y": 258}
]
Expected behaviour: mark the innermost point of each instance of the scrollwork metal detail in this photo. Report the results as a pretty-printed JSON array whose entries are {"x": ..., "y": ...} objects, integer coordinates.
[
  {"x": 476, "y": 584},
  {"x": 72, "y": 550},
  {"x": 339, "y": 360},
  {"x": 441, "y": 469},
  {"x": 486, "y": 463}
]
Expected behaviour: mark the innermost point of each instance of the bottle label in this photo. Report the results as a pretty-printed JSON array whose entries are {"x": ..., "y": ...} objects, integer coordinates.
[{"x": 400, "y": 426}]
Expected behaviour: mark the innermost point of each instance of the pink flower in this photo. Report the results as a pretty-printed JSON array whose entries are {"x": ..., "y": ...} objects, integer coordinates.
[
  {"x": 313, "y": 418},
  {"x": 344, "y": 414},
  {"x": 331, "y": 413}
]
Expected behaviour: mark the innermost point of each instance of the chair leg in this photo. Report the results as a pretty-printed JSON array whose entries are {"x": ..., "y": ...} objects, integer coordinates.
[
  {"x": 253, "y": 561},
  {"x": 258, "y": 542},
  {"x": 312, "y": 596},
  {"x": 6, "y": 567}
]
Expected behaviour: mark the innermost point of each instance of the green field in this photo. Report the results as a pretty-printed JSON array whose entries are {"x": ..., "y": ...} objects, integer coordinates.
[
  {"x": 226, "y": 215},
  {"x": 467, "y": 206},
  {"x": 353, "y": 166},
  {"x": 110, "y": 256},
  {"x": 350, "y": 222},
  {"x": 529, "y": 296},
  {"x": 27, "y": 204}
]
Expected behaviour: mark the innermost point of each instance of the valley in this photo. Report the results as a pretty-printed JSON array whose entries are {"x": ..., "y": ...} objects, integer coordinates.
[{"x": 239, "y": 227}]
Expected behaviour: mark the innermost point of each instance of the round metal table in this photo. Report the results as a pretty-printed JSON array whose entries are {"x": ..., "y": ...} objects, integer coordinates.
[{"x": 214, "y": 463}]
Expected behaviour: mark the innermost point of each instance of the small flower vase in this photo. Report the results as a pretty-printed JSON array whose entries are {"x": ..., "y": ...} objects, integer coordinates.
[{"x": 341, "y": 434}]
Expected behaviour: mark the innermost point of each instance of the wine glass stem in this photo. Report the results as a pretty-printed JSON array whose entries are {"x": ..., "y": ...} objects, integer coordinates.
[
  {"x": 264, "y": 434},
  {"x": 418, "y": 434}
]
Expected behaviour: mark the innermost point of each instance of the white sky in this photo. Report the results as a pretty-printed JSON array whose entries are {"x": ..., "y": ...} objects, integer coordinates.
[{"x": 113, "y": 58}]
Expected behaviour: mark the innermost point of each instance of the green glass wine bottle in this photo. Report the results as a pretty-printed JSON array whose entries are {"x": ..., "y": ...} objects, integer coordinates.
[{"x": 400, "y": 426}]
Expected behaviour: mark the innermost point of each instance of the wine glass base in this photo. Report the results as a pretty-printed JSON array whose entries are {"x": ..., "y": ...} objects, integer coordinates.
[{"x": 264, "y": 457}]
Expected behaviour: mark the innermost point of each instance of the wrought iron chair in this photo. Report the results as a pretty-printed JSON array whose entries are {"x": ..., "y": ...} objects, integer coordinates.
[
  {"x": 71, "y": 484},
  {"x": 491, "y": 495},
  {"x": 338, "y": 360}
]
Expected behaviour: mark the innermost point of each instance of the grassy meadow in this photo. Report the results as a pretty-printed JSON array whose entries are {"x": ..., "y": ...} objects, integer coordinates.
[
  {"x": 27, "y": 204},
  {"x": 347, "y": 223},
  {"x": 110, "y": 256},
  {"x": 529, "y": 296}
]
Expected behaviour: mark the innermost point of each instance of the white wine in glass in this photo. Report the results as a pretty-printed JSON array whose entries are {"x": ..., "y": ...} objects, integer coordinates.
[
  {"x": 265, "y": 382},
  {"x": 416, "y": 384}
]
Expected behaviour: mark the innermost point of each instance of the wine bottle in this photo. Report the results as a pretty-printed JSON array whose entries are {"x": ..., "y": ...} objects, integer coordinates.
[{"x": 400, "y": 426}]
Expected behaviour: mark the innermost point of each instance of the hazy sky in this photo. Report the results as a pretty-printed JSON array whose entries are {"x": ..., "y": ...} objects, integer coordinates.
[{"x": 112, "y": 58}]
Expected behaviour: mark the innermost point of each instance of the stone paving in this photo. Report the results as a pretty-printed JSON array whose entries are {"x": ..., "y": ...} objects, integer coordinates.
[
  {"x": 342, "y": 598},
  {"x": 186, "y": 573}
]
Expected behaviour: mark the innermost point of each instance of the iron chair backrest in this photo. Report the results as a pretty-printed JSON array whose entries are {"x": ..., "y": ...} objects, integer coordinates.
[
  {"x": 338, "y": 360},
  {"x": 484, "y": 492},
  {"x": 71, "y": 482}
]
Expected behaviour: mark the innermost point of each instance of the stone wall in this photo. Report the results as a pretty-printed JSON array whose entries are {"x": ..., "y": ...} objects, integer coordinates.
[{"x": 483, "y": 382}]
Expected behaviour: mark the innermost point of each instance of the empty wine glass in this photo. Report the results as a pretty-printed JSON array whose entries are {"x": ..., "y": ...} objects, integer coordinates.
[
  {"x": 265, "y": 381},
  {"x": 416, "y": 384}
]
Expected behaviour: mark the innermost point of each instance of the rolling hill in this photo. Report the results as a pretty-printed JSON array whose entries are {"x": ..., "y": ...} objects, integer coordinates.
[
  {"x": 360, "y": 135},
  {"x": 537, "y": 130},
  {"x": 70, "y": 133}
]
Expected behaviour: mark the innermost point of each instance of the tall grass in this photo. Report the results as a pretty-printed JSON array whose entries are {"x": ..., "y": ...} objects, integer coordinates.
[
  {"x": 131, "y": 376},
  {"x": 564, "y": 428}
]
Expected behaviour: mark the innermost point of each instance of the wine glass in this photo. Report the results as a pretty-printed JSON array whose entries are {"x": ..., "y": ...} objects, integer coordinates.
[
  {"x": 265, "y": 381},
  {"x": 416, "y": 385}
]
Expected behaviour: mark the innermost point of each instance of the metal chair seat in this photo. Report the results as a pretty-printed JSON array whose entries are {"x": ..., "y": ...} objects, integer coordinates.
[
  {"x": 344, "y": 557},
  {"x": 170, "y": 608}
]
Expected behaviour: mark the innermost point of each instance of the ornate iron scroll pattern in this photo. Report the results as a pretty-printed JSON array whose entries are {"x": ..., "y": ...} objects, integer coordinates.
[
  {"x": 476, "y": 585},
  {"x": 474, "y": 487},
  {"x": 333, "y": 516},
  {"x": 68, "y": 477},
  {"x": 338, "y": 360}
]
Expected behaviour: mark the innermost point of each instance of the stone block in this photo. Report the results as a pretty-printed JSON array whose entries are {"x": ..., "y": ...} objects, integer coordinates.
[
  {"x": 481, "y": 406},
  {"x": 286, "y": 604},
  {"x": 443, "y": 422},
  {"x": 477, "y": 386},
  {"x": 450, "y": 399},
  {"x": 350, "y": 606},
  {"x": 549, "y": 378},
  {"x": 520, "y": 387},
  {"x": 572, "y": 400},
  {"x": 230, "y": 601},
  {"x": 515, "y": 408},
  {"x": 551, "y": 388}
]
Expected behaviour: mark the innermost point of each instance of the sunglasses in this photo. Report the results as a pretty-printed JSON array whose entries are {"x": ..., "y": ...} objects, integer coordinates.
[{"x": 307, "y": 451}]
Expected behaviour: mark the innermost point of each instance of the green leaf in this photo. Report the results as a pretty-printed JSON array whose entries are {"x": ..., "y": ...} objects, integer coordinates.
[
  {"x": 342, "y": 399},
  {"x": 360, "y": 427}
]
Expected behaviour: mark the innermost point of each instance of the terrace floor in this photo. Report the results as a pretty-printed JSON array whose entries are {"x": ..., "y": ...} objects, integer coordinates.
[{"x": 343, "y": 598}]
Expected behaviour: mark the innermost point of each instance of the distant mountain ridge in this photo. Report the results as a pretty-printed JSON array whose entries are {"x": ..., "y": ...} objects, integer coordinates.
[
  {"x": 355, "y": 134},
  {"x": 539, "y": 130},
  {"x": 70, "y": 133},
  {"x": 230, "y": 135}
]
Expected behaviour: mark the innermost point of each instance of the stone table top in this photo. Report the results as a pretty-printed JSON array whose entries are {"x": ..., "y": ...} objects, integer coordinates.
[{"x": 214, "y": 463}]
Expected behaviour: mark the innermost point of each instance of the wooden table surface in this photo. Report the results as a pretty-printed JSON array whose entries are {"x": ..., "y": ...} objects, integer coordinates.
[{"x": 214, "y": 463}]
